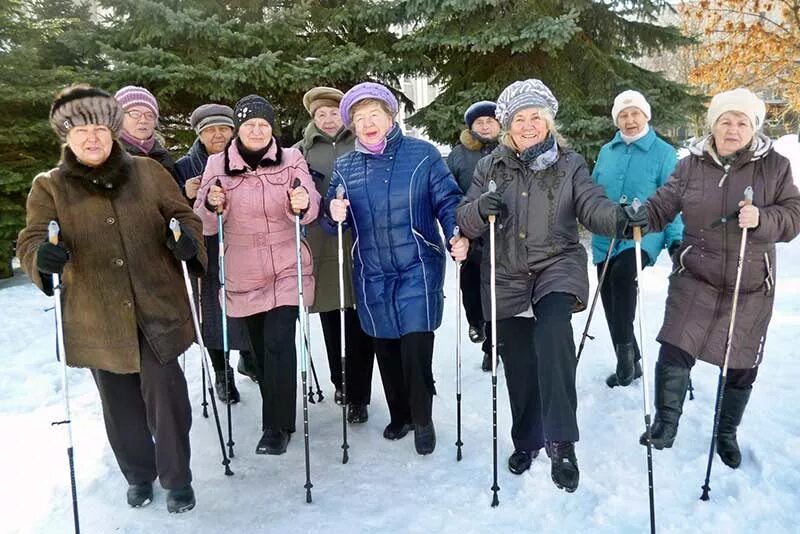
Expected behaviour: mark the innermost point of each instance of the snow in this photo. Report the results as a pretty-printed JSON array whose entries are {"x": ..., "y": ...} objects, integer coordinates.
[{"x": 386, "y": 486}]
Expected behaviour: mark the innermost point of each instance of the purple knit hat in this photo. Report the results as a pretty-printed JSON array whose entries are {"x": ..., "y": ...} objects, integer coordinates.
[
  {"x": 131, "y": 95},
  {"x": 363, "y": 91}
]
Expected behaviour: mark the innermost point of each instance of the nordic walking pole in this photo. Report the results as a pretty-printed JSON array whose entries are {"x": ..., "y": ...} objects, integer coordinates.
[
  {"x": 303, "y": 346},
  {"x": 199, "y": 309},
  {"x": 52, "y": 236},
  {"x": 342, "y": 353},
  {"x": 320, "y": 397},
  {"x": 225, "y": 350},
  {"x": 175, "y": 226},
  {"x": 637, "y": 240},
  {"x": 459, "y": 443},
  {"x": 493, "y": 302},
  {"x": 723, "y": 372}
]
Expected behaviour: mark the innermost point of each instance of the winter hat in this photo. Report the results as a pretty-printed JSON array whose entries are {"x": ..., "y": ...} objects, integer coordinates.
[
  {"x": 321, "y": 96},
  {"x": 484, "y": 108},
  {"x": 531, "y": 93},
  {"x": 741, "y": 100},
  {"x": 253, "y": 107},
  {"x": 627, "y": 99},
  {"x": 211, "y": 115},
  {"x": 363, "y": 91},
  {"x": 83, "y": 104},
  {"x": 131, "y": 95}
]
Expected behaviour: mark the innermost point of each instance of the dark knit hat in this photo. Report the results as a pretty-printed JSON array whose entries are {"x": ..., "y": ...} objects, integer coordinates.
[
  {"x": 83, "y": 104},
  {"x": 484, "y": 108},
  {"x": 211, "y": 115},
  {"x": 253, "y": 107}
]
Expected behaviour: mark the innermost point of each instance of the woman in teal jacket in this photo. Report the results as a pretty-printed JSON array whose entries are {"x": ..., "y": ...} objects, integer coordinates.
[{"x": 632, "y": 165}]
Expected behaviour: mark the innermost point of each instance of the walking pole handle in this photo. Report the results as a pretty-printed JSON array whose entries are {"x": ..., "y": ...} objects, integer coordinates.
[
  {"x": 295, "y": 184},
  {"x": 748, "y": 196},
  {"x": 492, "y": 189},
  {"x": 218, "y": 183},
  {"x": 175, "y": 226},
  {"x": 52, "y": 232},
  {"x": 339, "y": 192},
  {"x": 637, "y": 230}
]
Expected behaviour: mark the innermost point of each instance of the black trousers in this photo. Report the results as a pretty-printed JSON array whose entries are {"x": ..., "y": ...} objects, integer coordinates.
[
  {"x": 539, "y": 360},
  {"x": 272, "y": 335},
  {"x": 676, "y": 357},
  {"x": 471, "y": 297},
  {"x": 359, "y": 352},
  {"x": 406, "y": 371},
  {"x": 148, "y": 417},
  {"x": 618, "y": 294}
]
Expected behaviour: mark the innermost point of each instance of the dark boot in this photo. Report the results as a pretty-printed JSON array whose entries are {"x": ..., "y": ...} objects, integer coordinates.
[
  {"x": 357, "y": 413},
  {"x": 140, "y": 494},
  {"x": 563, "y": 464},
  {"x": 627, "y": 366},
  {"x": 520, "y": 461},
  {"x": 395, "y": 431},
  {"x": 671, "y": 385},
  {"x": 486, "y": 365},
  {"x": 232, "y": 394},
  {"x": 245, "y": 365},
  {"x": 734, "y": 401},
  {"x": 180, "y": 500},
  {"x": 477, "y": 333},
  {"x": 273, "y": 442},
  {"x": 424, "y": 438}
]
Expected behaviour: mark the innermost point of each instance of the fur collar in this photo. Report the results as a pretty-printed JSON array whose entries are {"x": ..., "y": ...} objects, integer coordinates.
[
  {"x": 106, "y": 178},
  {"x": 235, "y": 164},
  {"x": 471, "y": 142}
]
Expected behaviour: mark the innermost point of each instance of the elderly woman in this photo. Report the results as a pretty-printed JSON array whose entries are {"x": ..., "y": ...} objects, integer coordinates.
[
  {"x": 252, "y": 183},
  {"x": 541, "y": 268},
  {"x": 125, "y": 305},
  {"x": 213, "y": 124},
  {"x": 476, "y": 141},
  {"x": 708, "y": 188},
  {"x": 632, "y": 165},
  {"x": 397, "y": 189},
  {"x": 325, "y": 139},
  {"x": 138, "y": 135}
]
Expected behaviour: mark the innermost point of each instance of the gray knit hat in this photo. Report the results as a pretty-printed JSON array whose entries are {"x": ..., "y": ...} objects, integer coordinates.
[
  {"x": 83, "y": 104},
  {"x": 531, "y": 93},
  {"x": 211, "y": 115}
]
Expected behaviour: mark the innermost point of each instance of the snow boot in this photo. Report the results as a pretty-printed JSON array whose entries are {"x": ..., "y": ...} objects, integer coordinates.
[
  {"x": 395, "y": 431},
  {"x": 520, "y": 460},
  {"x": 180, "y": 500},
  {"x": 245, "y": 365},
  {"x": 477, "y": 333},
  {"x": 357, "y": 413},
  {"x": 232, "y": 395},
  {"x": 563, "y": 464},
  {"x": 628, "y": 366},
  {"x": 140, "y": 494},
  {"x": 273, "y": 442},
  {"x": 424, "y": 438},
  {"x": 734, "y": 401},
  {"x": 486, "y": 365},
  {"x": 671, "y": 385}
]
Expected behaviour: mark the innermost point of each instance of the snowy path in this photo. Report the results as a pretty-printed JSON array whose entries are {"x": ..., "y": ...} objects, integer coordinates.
[{"x": 387, "y": 486}]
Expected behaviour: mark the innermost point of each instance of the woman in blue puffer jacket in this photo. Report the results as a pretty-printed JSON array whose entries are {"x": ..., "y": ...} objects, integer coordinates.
[{"x": 397, "y": 189}]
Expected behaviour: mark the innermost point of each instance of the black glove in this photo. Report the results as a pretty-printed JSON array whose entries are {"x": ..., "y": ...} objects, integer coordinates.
[
  {"x": 627, "y": 218},
  {"x": 674, "y": 248},
  {"x": 184, "y": 249},
  {"x": 50, "y": 258},
  {"x": 490, "y": 203}
]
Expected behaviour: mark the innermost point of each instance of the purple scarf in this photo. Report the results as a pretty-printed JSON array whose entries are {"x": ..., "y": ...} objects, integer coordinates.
[{"x": 145, "y": 146}]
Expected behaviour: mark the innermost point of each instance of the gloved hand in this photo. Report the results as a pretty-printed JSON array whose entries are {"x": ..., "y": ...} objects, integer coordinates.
[
  {"x": 184, "y": 249},
  {"x": 490, "y": 203},
  {"x": 627, "y": 218},
  {"x": 674, "y": 248},
  {"x": 50, "y": 258}
]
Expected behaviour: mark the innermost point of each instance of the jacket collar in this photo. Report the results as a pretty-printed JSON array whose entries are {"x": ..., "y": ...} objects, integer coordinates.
[
  {"x": 106, "y": 178},
  {"x": 393, "y": 140},
  {"x": 644, "y": 143},
  {"x": 759, "y": 147},
  {"x": 235, "y": 164},
  {"x": 312, "y": 135},
  {"x": 471, "y": 142}
]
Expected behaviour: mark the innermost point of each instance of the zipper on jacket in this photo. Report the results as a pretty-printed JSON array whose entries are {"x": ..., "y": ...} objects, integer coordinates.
[{"x": 726, "y": 168}]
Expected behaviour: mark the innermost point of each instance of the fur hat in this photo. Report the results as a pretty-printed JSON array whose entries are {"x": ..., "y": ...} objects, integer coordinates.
[
  {"x": 531, "y": 93},
  {"x": 627, "y": 99},
  {"x": 321, "y": 96},
  {"x": 741, "y": 100},
  {"x": 363, "y": 91},
  {"x": 131, "y": 95},
  {"x": 211, "y": 115},
  {"x": 83, "y": 104},
  {"x": 484, "y": 108},
  {"x": 253, "y": 107}
]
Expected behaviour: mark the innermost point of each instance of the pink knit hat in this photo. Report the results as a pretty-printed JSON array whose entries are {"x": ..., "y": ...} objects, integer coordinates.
[{"x": 131, "y": 95}]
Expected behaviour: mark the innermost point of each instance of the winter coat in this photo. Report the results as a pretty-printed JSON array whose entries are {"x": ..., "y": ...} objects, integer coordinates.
[
  {"x": 396, "y": 199},
  {"x": 465, "y": 156},
  {"x": 259, "y": 227},
  {"x": 121, "y": 277},
  {"x": 158, "y": 153},
  {"x": 538, "y": 249},
  {"x": 321, "y": 151},
  {"x": 190, "y": 166},
  {"x": 636, "y": 171},
  {"x": 700, "y": 295}
]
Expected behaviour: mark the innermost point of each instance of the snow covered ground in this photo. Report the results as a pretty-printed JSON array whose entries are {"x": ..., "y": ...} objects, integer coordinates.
[{"x": 386, "y": 486}]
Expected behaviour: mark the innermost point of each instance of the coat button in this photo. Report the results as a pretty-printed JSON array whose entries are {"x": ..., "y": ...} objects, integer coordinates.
[
  {"x": 127, "y": 303},
  {"x": 524, "y": 193},
  {"x": 522, "y": 235},
  {"x": 110, "y": 220},
  {"x": 118, "y": 262}
]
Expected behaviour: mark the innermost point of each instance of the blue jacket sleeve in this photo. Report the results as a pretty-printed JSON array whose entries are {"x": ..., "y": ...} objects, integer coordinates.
[
  {"x": 445, "y": 194},
  {"x": 673, "y": 233},
  {"x": 325, "y": 221}
]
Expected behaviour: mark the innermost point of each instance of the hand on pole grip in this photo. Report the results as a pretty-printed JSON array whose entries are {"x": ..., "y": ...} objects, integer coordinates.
[
  {"x": 298, "y": 197},
  {"x": 490, "y": 203},
  {"x": 338, "y": 206},
  {"x": 51, "y": 256},
  {"x": 216, "y": 197},
  {"x": 175, "y": 226},
  {"x": 748, "y": 214},
  {"x": 459, "y": 245},
  {"x": 631, "y": 219},
  {"x": 181, "y": 244}
]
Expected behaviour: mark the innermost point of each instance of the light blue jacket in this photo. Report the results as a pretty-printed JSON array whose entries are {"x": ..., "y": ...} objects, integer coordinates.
[{"x": 636, "y": 171}]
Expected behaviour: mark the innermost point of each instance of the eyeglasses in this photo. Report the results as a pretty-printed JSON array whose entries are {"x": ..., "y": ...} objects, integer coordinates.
[{"x": 136, "y": 115}]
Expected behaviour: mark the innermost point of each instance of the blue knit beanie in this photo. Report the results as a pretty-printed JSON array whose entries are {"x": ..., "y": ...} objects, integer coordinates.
[{"x": 484, "y": 108}]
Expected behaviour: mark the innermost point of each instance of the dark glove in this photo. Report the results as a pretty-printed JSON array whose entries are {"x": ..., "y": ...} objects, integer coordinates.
[
  {"x": 184, "y": 249},
  {"x": 490, "y": 203},
  {"x": 627, "y": 218},
  {"x": 50, "y": 258},
  {"x": 674, "y": 248}
]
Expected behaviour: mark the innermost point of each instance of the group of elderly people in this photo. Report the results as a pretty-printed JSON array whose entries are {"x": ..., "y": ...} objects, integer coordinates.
[{"x": 126, "y": 312}]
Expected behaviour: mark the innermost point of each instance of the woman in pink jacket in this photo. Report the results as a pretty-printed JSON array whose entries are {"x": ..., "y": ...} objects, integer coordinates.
[{"x": 252, "y": 180}]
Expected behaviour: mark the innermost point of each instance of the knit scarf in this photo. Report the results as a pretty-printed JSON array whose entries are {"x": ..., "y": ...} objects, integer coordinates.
[
  {"x": 541, "y": 155},
  {"x": 145, "y": 146},
  {"x": 376, "y": 148},
  {"x": 629, "y": 139}
]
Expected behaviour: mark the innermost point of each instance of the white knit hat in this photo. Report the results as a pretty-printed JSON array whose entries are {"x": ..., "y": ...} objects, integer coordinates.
[
  {"x": 741, "y": 100},
  {"x": 627, "y": 99}
]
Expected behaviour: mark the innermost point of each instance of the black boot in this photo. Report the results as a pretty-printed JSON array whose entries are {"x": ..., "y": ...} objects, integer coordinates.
[
  {"x": 245, "y": 365},
  {"x": 273, "y": 442},
  {"x": 734, "y": 401},
  {"x": 520, "y": 461},
  {"x": 140, "y": 494},
  {"x": 395, "y": 431},
  {"x": 486, "y": 365},
  {"x": 477, "y": 333},
  {"x": 563, "y": 464},
  {"x": 232, "y": 394},
  {"x": 180, "y": 500},
  {"x": 628, "y": 366},
  {"x": 424, "y": 438},
  {"x": 671, "y": 385},
  {"x": 357, "y": 413}
]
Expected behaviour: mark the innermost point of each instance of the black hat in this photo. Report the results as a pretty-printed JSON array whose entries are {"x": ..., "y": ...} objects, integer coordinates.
[{"x": 253, "y": 107}]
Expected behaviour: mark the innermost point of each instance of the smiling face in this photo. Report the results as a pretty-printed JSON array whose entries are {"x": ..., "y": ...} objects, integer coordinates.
[
  {"x": 528, "y": 127},
  {"x": 371, "y": 121},
  {"x": 140, "y": 122},
  {"x": 486, "y": 127},
  {"x": 255, "y": 134},
  {"x": 90, "y": 143},
  {"x": 215, "y": 137},
  {"x": 631, "y": 121},
  {"x": 327, "y": 119},
  {"x": 732, "y": 132}
]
